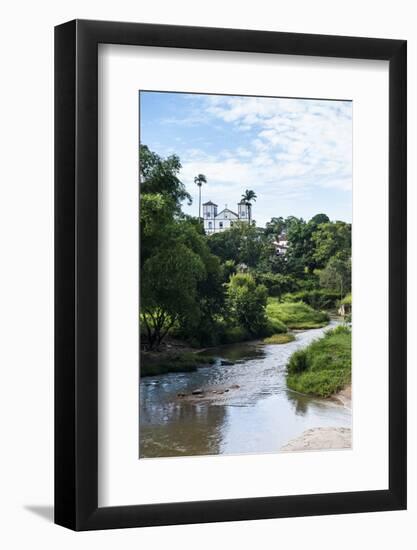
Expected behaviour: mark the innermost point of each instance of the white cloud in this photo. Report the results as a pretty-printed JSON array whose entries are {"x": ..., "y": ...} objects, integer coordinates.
[
  {"x": 291, "y": 147},
  {"x": 315, "y": 133}
]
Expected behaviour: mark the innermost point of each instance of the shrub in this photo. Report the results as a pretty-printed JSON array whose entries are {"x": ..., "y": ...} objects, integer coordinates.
[
  {"x": 297, "y": 362},
  {"x": 324, "y": 367}
]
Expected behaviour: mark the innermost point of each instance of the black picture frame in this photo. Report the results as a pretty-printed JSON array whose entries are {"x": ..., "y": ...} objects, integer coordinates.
[{"x": 76, "y": 272}]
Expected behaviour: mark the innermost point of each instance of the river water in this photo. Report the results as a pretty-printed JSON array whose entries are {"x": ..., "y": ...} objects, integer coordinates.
[{"x": 260, "y": 416}]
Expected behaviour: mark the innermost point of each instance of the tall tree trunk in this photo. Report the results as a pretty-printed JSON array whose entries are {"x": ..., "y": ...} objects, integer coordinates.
[{"x": 199, "y": 203}]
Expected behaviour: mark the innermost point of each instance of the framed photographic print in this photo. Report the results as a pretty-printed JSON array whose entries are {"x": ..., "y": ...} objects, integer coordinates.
[{"x": 230, "y": 275}]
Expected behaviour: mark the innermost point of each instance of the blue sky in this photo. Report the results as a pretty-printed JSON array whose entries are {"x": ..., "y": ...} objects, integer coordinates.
[{"x": 296, "y": 154}]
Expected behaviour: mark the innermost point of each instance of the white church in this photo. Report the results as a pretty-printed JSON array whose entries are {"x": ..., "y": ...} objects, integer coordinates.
[{"x": 214, "y": 221}]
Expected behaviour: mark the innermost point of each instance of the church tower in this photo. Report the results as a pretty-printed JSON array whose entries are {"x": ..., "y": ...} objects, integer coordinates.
[
  {"x": 209, "y": 215},
  {"x": 243, "y": 211}
]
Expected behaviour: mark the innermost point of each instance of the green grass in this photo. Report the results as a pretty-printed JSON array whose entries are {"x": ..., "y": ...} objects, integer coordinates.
[
  {"x": 324, "y": 367},
  {"x": 295, "y": 315},
  {"x": 280, "y": 338},
  {"x": 155, "y": 363},
  {"x": 275, "y": 325}
]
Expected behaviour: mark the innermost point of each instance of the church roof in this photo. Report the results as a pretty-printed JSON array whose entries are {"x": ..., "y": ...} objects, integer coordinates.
[
  {"x": 226, "y": 210},
  {"x": 209, "y": 203}
]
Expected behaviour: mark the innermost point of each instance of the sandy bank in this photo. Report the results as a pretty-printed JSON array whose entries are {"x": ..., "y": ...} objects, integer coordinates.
[{"x": 318, "y": 439}]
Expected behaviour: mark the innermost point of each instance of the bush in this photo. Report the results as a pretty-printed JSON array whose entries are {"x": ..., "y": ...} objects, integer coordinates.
[
  {"x": 317, "y": 299},
  {"x": 296, "y": 315},
  {"x": 297, "y": 362},
  {"x": 324, "y": 367}
]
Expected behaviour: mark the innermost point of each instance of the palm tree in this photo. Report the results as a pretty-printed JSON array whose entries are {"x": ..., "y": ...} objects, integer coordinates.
[
  {"x": 199, "y": 180},
  {"x": 247, "y": 198}
]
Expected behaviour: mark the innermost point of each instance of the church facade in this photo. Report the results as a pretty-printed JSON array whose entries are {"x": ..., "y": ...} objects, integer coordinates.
[{"x": 215, "y": 222}]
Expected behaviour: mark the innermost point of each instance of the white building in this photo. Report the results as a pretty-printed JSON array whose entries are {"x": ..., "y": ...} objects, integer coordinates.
[
  {"x": 281, "y": 244},
  {"x": 215, "y": 222}
]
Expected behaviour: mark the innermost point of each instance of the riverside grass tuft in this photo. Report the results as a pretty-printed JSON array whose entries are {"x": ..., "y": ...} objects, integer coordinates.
[
  {"x": 324, "y": 367},
  {"x": 279, "y": 338},
  {"x": 297, "y": 315}
]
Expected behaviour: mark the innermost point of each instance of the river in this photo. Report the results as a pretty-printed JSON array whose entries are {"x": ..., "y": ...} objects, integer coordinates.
[{"x": 258, "y": 415}]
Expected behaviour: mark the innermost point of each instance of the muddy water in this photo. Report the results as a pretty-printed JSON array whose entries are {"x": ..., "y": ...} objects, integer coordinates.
[{"x": 260, "y": 416}]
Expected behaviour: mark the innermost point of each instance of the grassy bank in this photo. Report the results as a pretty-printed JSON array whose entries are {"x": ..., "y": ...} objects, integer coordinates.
[
  {"x": 280, "y": 338},
  {"x": 295, "y": 315},
  {"x": 324, "y": 367},
  {"x": 281, "y": 318},
  {"x": 152, "y": 364}
]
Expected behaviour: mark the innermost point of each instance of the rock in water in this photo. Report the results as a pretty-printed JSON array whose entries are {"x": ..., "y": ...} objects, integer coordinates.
[{"x": 198, "y": 391}]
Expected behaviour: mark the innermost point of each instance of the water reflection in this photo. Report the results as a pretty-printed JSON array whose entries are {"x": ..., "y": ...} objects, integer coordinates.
[
  {"x": 184, "y": 430},
  {"x": 261, "y": 416}
]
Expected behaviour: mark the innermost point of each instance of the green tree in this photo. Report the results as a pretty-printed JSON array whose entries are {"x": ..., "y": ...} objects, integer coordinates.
[
  {"x": 160, "y": 176},
  {"x": 248, "y": 197},
  {"x": 275, "y": 227},
  {"x": 330, "y": 239},
  {"x": 199, "y": 180},
  {"x": 246, "y": 303},
  {"x": 169, "y": 282},
  {"x": 242, "y": 244},
  {"x": 156, "y": 220},
  {"x": 337, "y": 275},
  {"x": 298, "y": 256},
  {"x": 319, "y": 219},
  {"x": 181, "y": 282}
]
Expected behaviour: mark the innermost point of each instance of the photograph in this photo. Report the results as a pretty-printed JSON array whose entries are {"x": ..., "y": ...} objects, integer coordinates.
[
  {"x": 203, "y": 194},
  {"x": 245, "y": 274}
]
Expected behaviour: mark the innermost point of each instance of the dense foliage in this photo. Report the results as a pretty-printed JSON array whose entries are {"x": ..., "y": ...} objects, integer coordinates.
[{"x": 231, "y": 286}]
